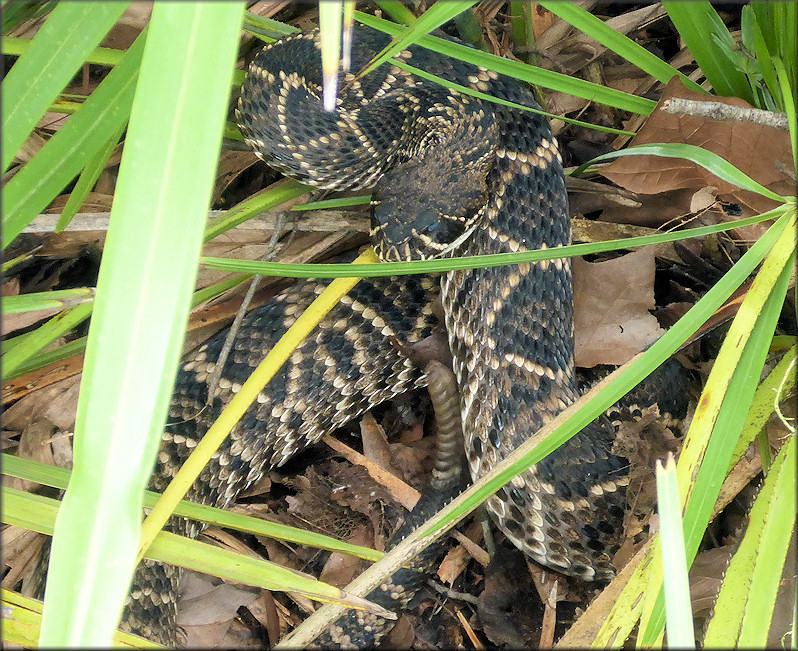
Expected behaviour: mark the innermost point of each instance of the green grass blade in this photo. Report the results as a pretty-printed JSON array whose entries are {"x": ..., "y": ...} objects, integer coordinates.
[
  {"x": 88, "y": 177},
  {"x": 38, "y": 513},
  {"x": 495, "y": 100},
  {"x": 696, "y": 22},
  {"x": 27, "y": 345},
  {"x": 15, "y": 13},
  {"x": 266, "y": 29},
  {"x": 397, "y": 11},
  {"x": 520, "y": 71},
  {"x": 68, "y": 151},
  {"x": 289, "y": 270},
  {"x": 46, "y": 300},
  {"x": 430, "y": 20},
  {"x": 54, "y": 56},
  {"x": 722, "y": 411},
  {"x": 565, "y": 424},
  {"x": 789, "y": 107},
  {"x": 79, "y": 345},
  {"x": 22, "y": 618},
  {"x": 762, "y": 405},
  {"x": 745, "y": 602},
  {"x": 103, "y": 56},
  {"x": 679, "y": 616},
  {"x": 244, "y": 397},
  {"x": 708, "y": 160},
  {"x": 45, "y": 359},
  {"x": 143, "y": 297},
  {"x": 622, "y": 45},
  {"x": 647, "y": 362},
  {"x": 254, "y": 205},
  {"x": 59, "y": 478},
  {"x": 628, "y": 607}
]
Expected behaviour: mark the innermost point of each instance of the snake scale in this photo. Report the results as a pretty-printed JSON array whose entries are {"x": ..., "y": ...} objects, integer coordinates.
[{"x": 450, "y": 174}]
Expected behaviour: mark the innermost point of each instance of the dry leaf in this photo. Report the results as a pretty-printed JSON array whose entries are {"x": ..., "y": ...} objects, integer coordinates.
[
  {"x": 341, "y": 569},
  {"x": 218, "y": 604},
  {"x": 733, "y": 141},
  {"x": 56, "y": 403},
  {"x": 509, "y": 606},
  {"x": 375, "y": 444},
  {"x": 611, "y": 302}
]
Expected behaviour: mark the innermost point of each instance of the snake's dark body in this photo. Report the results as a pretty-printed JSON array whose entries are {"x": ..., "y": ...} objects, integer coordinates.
[{"x": 510, "y": 328}]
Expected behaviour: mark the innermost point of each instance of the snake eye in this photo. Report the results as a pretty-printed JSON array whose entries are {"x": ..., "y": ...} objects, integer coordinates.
[{"x": 428, "y": 220}]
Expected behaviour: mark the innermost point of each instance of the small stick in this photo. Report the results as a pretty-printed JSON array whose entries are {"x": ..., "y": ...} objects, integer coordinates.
[
  {"x": 213, "y": 380},
  {"x": 720, "y": 111}
]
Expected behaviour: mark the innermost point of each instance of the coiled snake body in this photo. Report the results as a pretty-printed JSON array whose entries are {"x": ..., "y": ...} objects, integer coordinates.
[{"x": 451, "y": 174}]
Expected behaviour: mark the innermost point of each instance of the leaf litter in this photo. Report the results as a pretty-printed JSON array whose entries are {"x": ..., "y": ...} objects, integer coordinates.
[{"x": 657, "y": 195}]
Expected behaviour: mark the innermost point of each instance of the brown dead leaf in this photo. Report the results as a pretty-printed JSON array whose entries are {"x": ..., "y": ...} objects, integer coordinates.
[
  {"x": 611, "y": 302},
  {"x": 11, "y": 287},
  {"x": 129, "y": 25},
  {"x": 94, "y": 202},
  {"x": 406, "y": 495},
  {"x": 35, "y": 380},
  {"x": 375, "y": 444},
  {"x": 457, "y": 558},
  {"x": 706, "y": 576},
  {"x": 34, "y": 445},
  {"x": 56, "y": 403},
  {"x": 509, "y": 606},
  {"x": 733, "y": 141},
  {"x": 341, "y": 569},
  {"x": 20, "y": 553},
  {"x": 212, "y": 604},
  {"x": 231, "y": 164},
  {"x": 14, "y": 322}
]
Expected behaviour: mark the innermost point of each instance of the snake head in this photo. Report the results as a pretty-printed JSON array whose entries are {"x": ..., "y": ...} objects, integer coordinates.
[{"x": 427, "y": 207}]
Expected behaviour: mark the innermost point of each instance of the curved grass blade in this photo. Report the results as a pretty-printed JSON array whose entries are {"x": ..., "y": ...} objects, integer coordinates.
[
  {"x": 78, "y": 346},
  {"x": 780, "y": 379},
  {"x": 62, "y": 298},
  {"x": 495, "y": 100},
  {"x": 54, "y": 56},
  {"x": 87, "y": 179},
  {"x": 22, "y": 618},
  {"x": 37, "y": 513},
  {"x": 143, "y": 296},
  {"x": 789, "y": 107},
  {"x": 744, "y": 608},
  {"x": 288, "y": 270},
  {"x": 266, "y": 29},
  {"x": 622, "y": 45},
  {"x": 696, "y": 23},
  {"x": 235, "y": 409},
  {"x": 721, "y": 411},
  {"x": 397, "y": 11},
  {"x": 102, "y": 56},
  {"x": 520, "y": 71},
  {"x": 679, "y": 616},
  {"x": 26, "y": 346},
  {"x": 565, "y": 425},
  {"x": 429, "y": 21},
  {"x": 252, "y": 206},
  {"x": 49, "y": 357},
  {"x": 68, "y": 151},
  {"x": 709, "y": 160},
  {"x": 628, "y": 605},
  {"x": 59, "y": 478}
]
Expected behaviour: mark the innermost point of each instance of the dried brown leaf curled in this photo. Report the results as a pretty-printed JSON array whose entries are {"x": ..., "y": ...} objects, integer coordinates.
[
  {"x": 612, "y": 299},
  {"x": 762, "y": 152}
]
